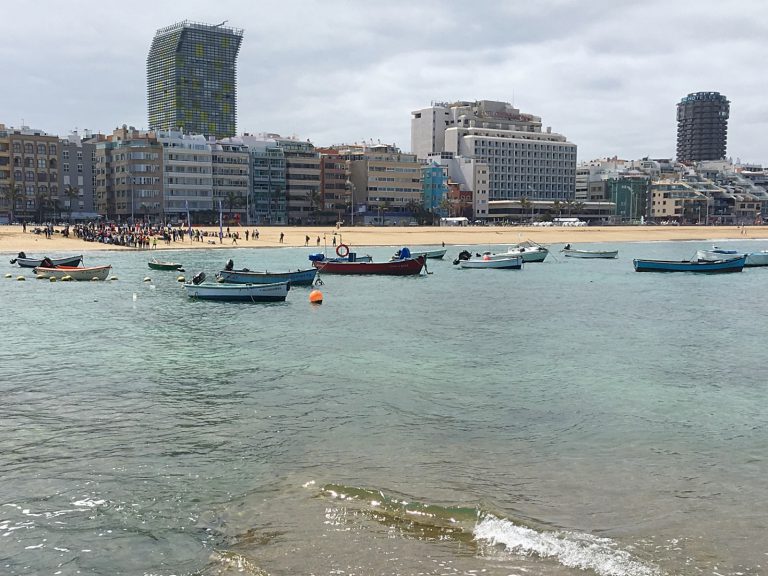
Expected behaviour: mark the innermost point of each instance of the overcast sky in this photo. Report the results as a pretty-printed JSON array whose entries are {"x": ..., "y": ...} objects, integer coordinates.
[{"x": 606, "y": 74}]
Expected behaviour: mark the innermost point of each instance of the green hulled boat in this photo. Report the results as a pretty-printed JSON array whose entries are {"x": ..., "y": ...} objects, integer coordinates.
[{"x": 156, "y": 265}]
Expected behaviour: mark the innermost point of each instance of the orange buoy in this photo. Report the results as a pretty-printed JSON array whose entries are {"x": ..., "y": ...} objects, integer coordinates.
[{"x": 316, "y": 297}]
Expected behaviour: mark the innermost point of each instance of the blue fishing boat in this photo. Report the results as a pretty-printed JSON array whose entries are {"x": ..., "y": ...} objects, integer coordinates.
[
  {"x": 728, "y": 265},
  {"x": 245, "y": 276}
]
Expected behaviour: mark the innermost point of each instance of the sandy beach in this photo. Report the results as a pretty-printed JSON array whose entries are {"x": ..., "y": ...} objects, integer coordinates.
[{"x": 14, "y": 240}]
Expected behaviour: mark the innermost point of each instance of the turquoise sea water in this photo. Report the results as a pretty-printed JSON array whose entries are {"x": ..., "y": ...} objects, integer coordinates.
[{"x": 574, "y": 417}]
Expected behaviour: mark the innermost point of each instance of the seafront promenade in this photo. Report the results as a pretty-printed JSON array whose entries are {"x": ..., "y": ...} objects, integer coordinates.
[{"x": 13, "y": 239}]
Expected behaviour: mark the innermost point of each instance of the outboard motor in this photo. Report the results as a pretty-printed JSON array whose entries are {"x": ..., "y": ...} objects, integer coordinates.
[
  {"x": 199, "y": 278},
  {"x": 46, "y": 263},
  {"x": 230, "y": 265},
  {"x": 463, "y": 255}
]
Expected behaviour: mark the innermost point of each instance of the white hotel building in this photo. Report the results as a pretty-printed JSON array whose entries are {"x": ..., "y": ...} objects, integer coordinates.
[{"x": 523, "y": 161}]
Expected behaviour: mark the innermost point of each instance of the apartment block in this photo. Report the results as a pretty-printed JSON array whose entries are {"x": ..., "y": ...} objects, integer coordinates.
[
  {"x": 29, "y": 175},
  {"x": 524, "y": 160},
  {"x": 231, "y": 178},
  {"x": 129, "y": 176}
]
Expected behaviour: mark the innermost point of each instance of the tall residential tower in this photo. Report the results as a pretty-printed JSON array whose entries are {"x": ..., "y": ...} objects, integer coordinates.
[
  {"x": 191, "y": 79},
  {"x": 702, "y": 127}
]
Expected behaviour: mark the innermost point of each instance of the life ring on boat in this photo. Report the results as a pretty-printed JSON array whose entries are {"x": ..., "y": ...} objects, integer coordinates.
[{"x": 342, "y": 250}]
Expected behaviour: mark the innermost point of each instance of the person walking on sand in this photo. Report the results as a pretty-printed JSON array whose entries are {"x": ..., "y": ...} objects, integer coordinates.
[
  {"x": 306, "y": 240},
  {"x": 246, "y": 235},
  {"x": 318, "y": 240},
  {"x": 281, "y": 237}
]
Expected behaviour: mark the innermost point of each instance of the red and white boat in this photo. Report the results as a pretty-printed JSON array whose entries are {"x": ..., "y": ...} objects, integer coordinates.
[{"x": 405, "y": 267}]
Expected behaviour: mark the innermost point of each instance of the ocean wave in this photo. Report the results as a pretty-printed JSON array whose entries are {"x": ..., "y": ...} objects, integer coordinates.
[{"x": 483, "y": 527}]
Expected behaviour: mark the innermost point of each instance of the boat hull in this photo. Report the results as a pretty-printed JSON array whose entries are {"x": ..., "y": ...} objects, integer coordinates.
[
  {"x": 754, "y": 259},
  {"x": 35, "y": 262},
  {"x": 433, "y": 254},
  {"x": 591, "y": 253},
  {"x": 76, "y": 273},
  {"x": 276, "y": 292},
  {"x": 512, "y": 263},
  {"x": 164, "y": 265},
  {"x": 407, "y": 267},
  {"x": 757, "y": 259},
  {"x": 356, "y": 258},
  {"x": 719, "y": 266},
  {"x": 297, "y": 278}
]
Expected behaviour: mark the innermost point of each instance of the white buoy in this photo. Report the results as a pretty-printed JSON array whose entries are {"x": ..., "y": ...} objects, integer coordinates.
[
  {"x": 52, "y": 279},
  {"x": 135, "y": 297},
  {"x": 180, "y": 279},
  {"x": 147, "y": 279},
  {"x": 113, "y": 277},
  {"x": 9, "y": 275},
  {"x": 20, "y": 278}
]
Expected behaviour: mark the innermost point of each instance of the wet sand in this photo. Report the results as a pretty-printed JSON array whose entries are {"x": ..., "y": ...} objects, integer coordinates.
[{"x": 14, "y": 240}]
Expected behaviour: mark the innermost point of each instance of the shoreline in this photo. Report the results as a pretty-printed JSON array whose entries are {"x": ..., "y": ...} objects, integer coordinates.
[{"x": 13, "y": 240}]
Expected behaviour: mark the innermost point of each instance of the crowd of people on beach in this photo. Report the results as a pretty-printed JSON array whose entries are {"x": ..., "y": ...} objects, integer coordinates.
[{"x": 142, "y": 236}]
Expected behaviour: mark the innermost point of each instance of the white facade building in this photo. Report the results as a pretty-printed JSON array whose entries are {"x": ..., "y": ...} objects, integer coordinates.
[
  {"x": 187, "y": 173},
  {"x": 523, "y": 161}
]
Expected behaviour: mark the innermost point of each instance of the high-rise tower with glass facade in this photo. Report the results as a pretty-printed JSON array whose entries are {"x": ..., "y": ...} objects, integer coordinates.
[
  {"x": 192, "y": 79},
  {"x": 702, "y": 127}
]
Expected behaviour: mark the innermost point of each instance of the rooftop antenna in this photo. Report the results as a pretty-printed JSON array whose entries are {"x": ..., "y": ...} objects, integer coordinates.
[{"x": 221, "y": 24}]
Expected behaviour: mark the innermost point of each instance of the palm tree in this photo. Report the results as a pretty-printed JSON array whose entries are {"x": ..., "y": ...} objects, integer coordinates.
[
  {"x": 234, "y": 201},
  {"x": 315, "y": 204},
  {"x": 524, "y": 205},
  {"x": 71, "y": 193},
  {"x": 557, "y": 206},
  {"x": 445, "y": 206},
  {"x": 12, "y": 194}
]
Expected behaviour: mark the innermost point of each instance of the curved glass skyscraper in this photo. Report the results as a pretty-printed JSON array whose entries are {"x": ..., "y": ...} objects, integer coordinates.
[
  {"x": 702, "y": 127},
  {"x": 192, "y": 79}
]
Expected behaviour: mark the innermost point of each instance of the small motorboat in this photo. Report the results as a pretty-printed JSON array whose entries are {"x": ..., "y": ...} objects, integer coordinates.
[
  {"x": 159, "y": 265},
  {"x": 575, "y": 253},
  {"x": 74, "y": 272},
  {"x": 25, "y": 262},
  {"x": 199, "y": 290},
  {"x": 716, "y": 266}
]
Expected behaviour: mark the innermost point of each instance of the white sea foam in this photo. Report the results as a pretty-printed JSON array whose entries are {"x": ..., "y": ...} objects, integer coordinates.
[
  {"x": 570, "y": 549},
  {"x": 88, "y": 503}
]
